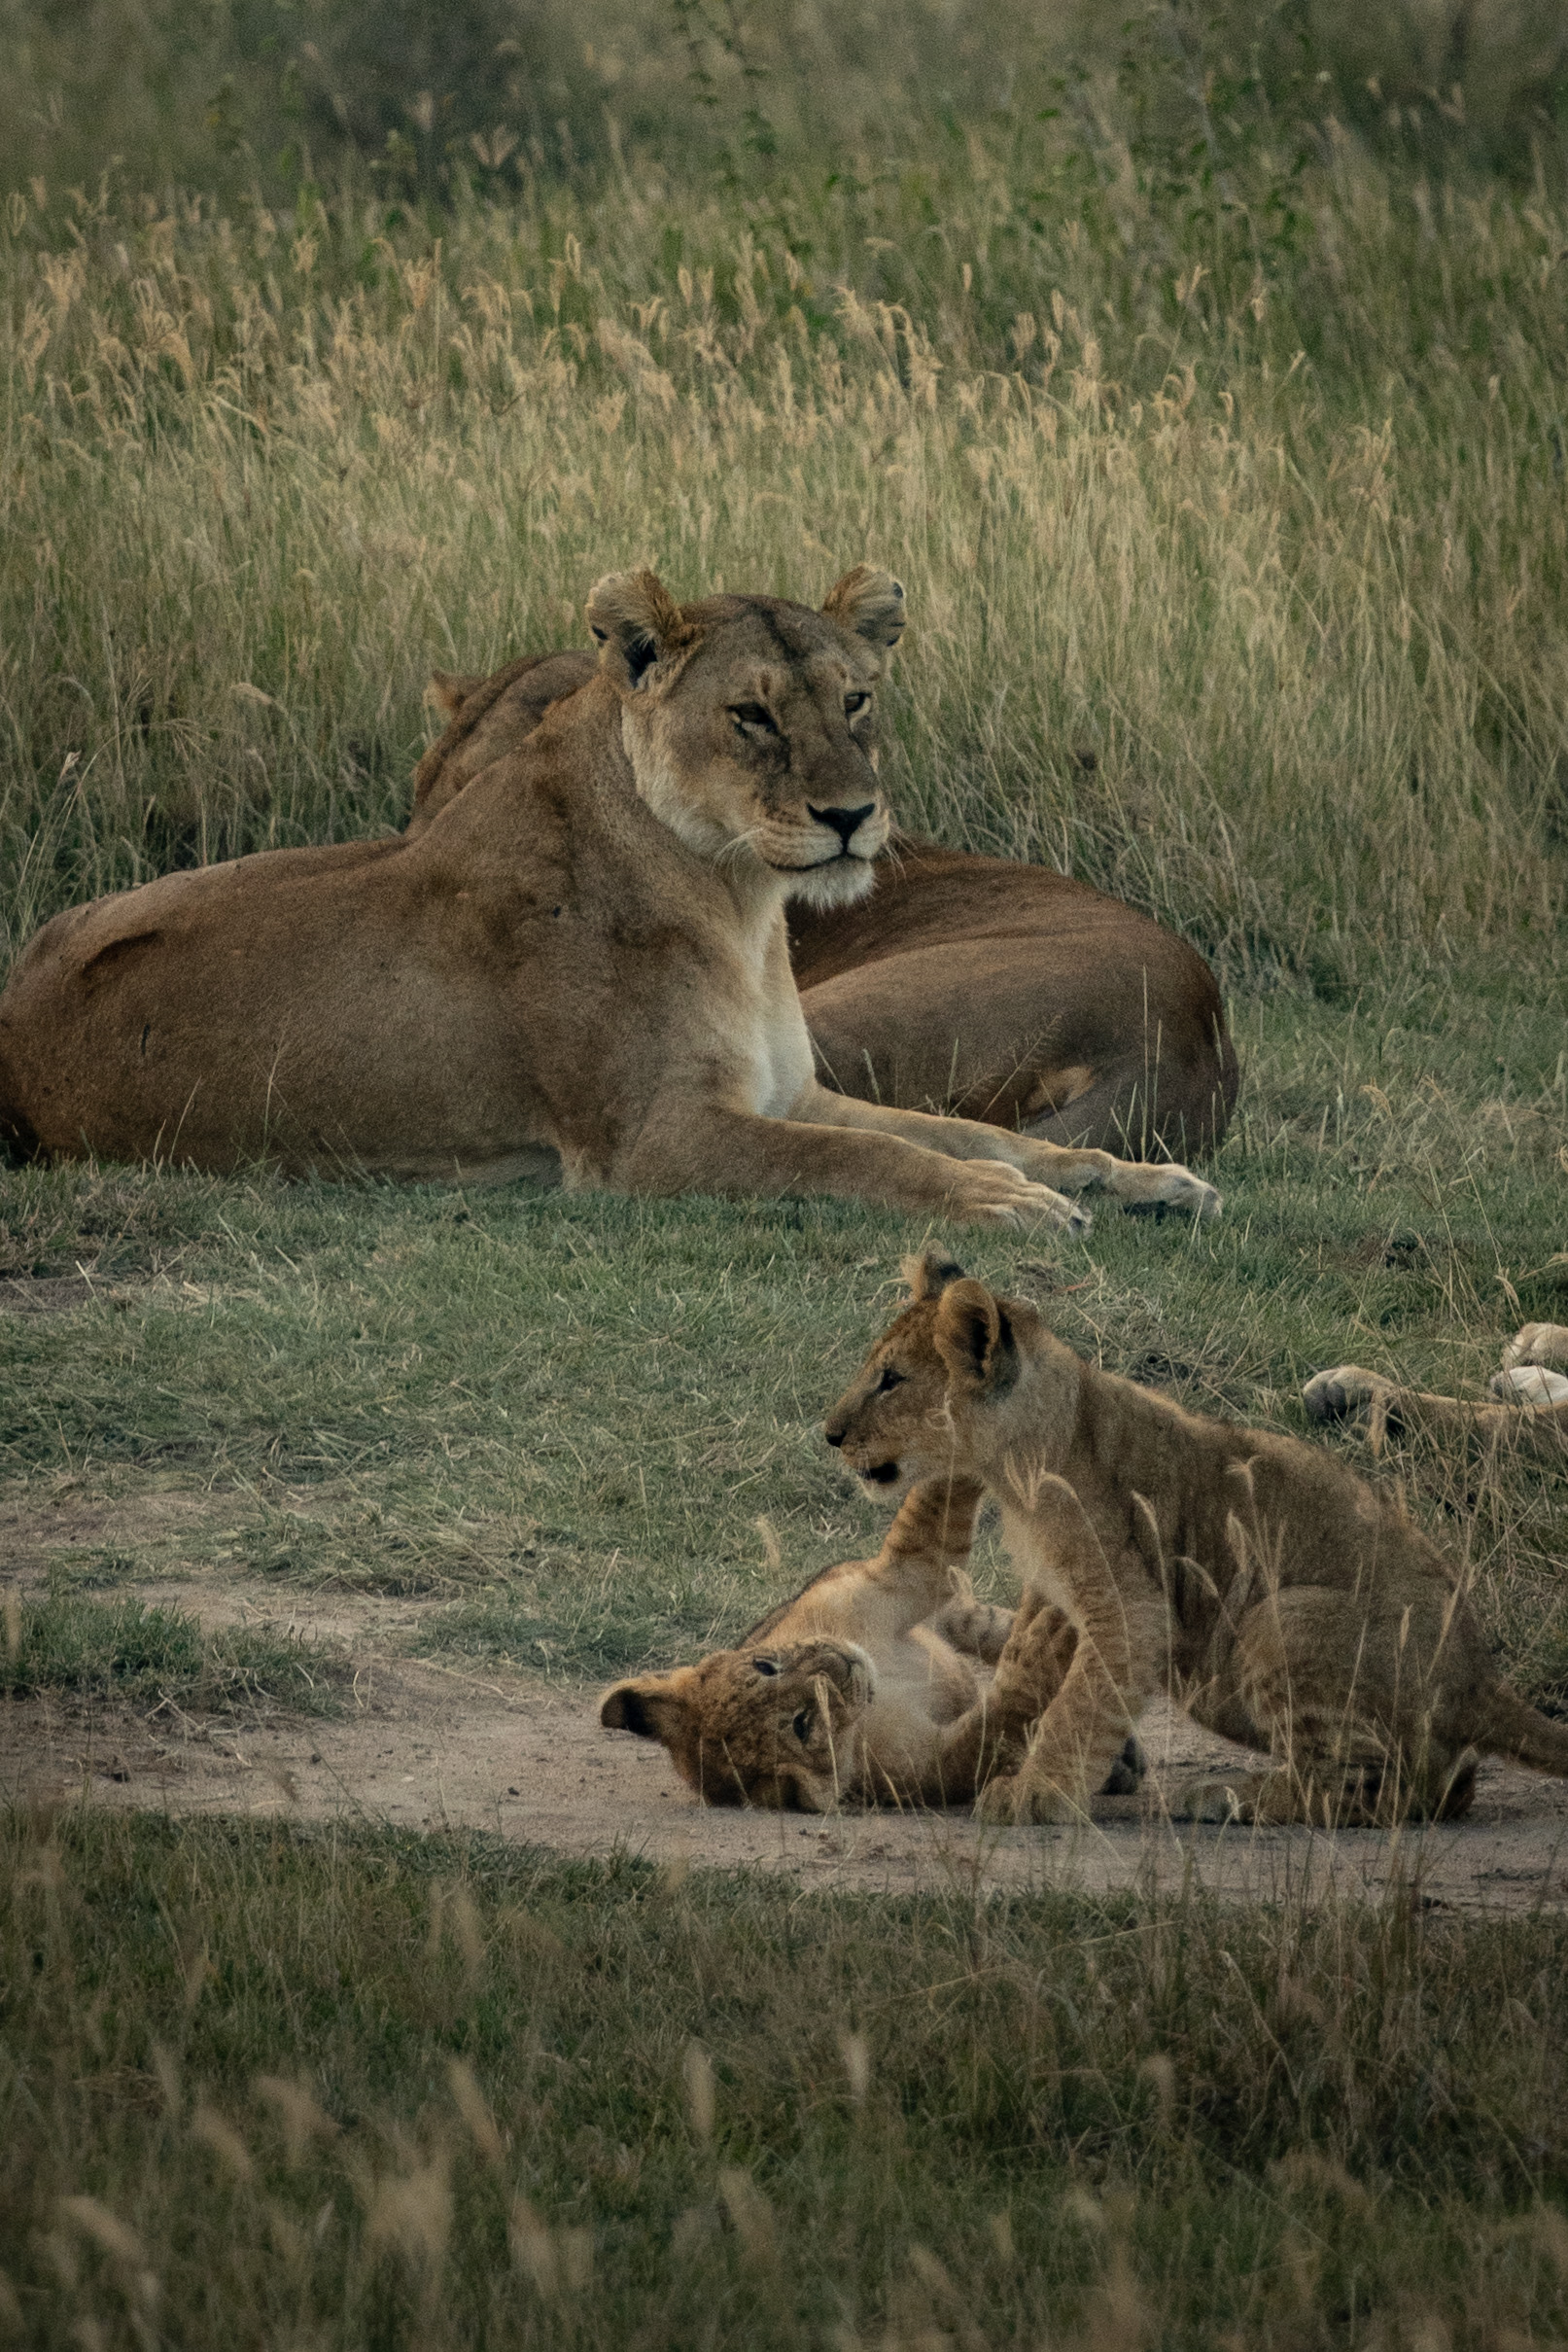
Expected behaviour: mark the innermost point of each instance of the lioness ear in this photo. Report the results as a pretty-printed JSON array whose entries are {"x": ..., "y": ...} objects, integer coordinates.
[
  {"x": 450, "y": 692},
  {"x": 929, "y": 1273},
  {"x": 653, "y": 1707},
  {"x": 869, "y": 604},
  {"x": 636, "y": 621},
  {"x": 973, "y": 1336}
]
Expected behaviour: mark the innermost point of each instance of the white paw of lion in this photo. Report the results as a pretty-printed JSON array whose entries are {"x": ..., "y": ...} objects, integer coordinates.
[
  {"x": 1179, "y": 1188},
  {"x": 1537, "y": 1344},
  {"x": 1035, "y": 1205},
  {"x": 1335, "y": 1395},
  {"x": 1529, "y": 1384}
]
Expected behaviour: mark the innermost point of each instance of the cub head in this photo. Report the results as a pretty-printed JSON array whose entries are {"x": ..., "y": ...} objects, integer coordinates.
[
  {"x": 932, "y": 1399},
  {"x": 751, "y": 723},
  {"x": 770, "y": 1728}
]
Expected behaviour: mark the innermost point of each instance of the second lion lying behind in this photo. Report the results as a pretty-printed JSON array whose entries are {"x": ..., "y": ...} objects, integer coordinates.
[{"x": 862, "y": 1689}]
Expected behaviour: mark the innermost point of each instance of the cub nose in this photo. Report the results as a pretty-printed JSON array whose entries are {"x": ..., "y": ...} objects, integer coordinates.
[
  {"x": 836, "y": 1431},
  {"x": 844, "y": 822}
]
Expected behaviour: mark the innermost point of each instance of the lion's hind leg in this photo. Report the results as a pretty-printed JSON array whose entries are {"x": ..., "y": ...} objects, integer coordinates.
[{"x": 1340, "y": 1699}]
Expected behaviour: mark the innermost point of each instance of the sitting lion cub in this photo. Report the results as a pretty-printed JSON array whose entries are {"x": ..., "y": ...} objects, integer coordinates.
[
  {"x": 1269, "y": 1590},
  {"x": 862, "y": 1689}
]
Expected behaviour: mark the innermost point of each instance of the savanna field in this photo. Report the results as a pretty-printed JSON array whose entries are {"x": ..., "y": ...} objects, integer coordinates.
[{"x": 1202, "y": 377}]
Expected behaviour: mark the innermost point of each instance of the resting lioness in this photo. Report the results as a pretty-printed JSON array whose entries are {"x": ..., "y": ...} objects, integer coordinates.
[
  {"x": 1271, "y": 1592},
  {"x": 860, "y": 1690},
  {"x": 578, "y": 970},
  {"x": 979, "y": 987}
]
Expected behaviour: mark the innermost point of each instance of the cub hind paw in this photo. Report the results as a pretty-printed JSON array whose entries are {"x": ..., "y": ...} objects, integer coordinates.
[{"x": 1348, "y": 1390}]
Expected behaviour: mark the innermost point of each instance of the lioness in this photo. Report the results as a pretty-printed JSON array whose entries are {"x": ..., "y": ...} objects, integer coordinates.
[
  {"x": 577, "y": 970},
  {"x": 860, "y": 1690},
  {"x": 1530, "y": 1416},
  {"x": 974, "y": 986},
  {"x": 1271, "y": 1591}
]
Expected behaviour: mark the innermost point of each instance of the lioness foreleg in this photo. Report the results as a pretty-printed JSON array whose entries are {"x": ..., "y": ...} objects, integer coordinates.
[
  {"x": 1067, "y": 1171},
  {"x": 697, "y": 1146}
]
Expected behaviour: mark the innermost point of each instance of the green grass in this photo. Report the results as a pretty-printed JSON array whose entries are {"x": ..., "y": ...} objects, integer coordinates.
[
  {"x": 150, "y": 1656},
  {"x": 366, "y": 2089},
  {"x": 557, "y": 1418},
  {"x": 1206, "y": 390}
]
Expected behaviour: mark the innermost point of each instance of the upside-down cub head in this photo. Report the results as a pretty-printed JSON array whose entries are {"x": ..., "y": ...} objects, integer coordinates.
[
  {"x": 751, "y": 723},
  {"x": 931, "y": 1397},
  {"x": 770, "y": 1728}
]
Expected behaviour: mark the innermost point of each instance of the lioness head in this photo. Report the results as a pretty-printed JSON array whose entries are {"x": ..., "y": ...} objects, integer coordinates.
[
  {"x": 749, "y": 723},
  {"x": 771, "y": 1728},
  {"x": 938, "y": 1394}
]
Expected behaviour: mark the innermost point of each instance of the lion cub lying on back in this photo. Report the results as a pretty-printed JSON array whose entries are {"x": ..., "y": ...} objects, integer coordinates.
[
  {"x": 1269, "y": 1590},
  {"x": 861, "y": 1688}
]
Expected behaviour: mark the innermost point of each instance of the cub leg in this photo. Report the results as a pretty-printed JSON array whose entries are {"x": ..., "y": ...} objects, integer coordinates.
[
  {"x": 1115, "y": 1668},
  {"x": 992, "y": 1736},
  {"x": 1346, "y": 1701}
]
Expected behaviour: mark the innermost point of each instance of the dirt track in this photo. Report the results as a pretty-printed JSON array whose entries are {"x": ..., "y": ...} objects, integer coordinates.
[{"x": 425, "y": 1746}]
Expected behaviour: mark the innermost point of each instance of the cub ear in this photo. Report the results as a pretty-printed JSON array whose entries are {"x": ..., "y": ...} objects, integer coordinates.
[
  {"x": 653, "y": 1707},
  {"x": 637, "y": 623},
  {"x": 449, "y": 691},
  {"x": 974, "y": 1338},
  {"x": 869, "y": 604},
  {"x": 929, "y": 1273}
]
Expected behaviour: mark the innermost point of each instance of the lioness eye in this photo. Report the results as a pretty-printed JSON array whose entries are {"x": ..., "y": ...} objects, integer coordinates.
[
  {"x": 764, "y": 1666},
  {"x": 802, "y": 1723},
  {"x": 752, "y": 714},
  {"x": 890, "y": 1380},
  {"x": 854, "y": 704}
]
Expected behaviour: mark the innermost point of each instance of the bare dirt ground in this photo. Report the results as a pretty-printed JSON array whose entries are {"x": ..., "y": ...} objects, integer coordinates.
[{"x": 424, "y": 1745}]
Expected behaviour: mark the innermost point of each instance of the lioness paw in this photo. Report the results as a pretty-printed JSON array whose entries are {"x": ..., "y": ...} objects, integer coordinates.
[
  {"x": 1347, "y": 1389},
  {"x": 1529, "y": 1384},
  {"x": 990, "y": 1192},
  {"x": 1179, "y": 1188},
  {"x": 1536, "y": 1344}
]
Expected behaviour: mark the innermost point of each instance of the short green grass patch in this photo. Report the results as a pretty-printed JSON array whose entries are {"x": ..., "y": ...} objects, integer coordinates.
[
  {"x": 124, "y": 1649},
  {"x": 365, "y": 2089}
]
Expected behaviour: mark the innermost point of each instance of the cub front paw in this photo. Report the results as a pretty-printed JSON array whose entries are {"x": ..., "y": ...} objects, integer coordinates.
[
  {"x": 1335, "y": 1395},
  {"x": 1214, "y": 1801},
  {"x": 1010, "y": 1802}
]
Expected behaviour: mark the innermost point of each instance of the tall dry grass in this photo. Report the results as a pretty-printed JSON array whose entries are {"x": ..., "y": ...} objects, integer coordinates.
[{"x": 1279, "y": 537}]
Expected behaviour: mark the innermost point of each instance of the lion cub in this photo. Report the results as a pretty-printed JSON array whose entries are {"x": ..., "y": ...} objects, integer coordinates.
[
  {"x": 861, "y": 1688},
  {"x": 1269, "y": 1590}
]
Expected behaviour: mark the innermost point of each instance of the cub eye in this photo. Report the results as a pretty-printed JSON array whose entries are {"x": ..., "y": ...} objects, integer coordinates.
[
  {"x": 802, "y": 1723},
  {"x": 854, "y": 704},
  {"x": 890, "y": 1380},
  {"x": 764, "y": 1666},
  {"x": 752, "y": 714}
]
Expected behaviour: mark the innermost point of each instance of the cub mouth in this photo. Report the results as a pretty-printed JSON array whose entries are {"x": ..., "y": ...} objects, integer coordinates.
[{"x": 880, "y": 1474}]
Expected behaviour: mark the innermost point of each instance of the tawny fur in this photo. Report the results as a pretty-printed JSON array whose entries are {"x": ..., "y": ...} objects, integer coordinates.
[
  {"x": 576, "y": 970},
  {"x": 1257, "y": 1580},
  {"x": 860, "y": 1690},
  {"x": 1529, "y": 1417},
  {"x": 975, "y": 987}
]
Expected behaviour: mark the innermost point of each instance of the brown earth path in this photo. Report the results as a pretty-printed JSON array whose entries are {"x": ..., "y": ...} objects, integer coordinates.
[{"x": 426, "y": 1746}]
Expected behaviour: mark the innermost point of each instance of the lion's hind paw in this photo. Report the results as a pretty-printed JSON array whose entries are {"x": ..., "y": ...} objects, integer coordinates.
[
  {"x": 1535, "y": 1344},
  {"x": 1529, "y": 1384}
]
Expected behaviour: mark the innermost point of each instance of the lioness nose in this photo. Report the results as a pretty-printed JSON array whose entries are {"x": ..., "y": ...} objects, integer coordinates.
[{"x": 844, "y": 822}]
